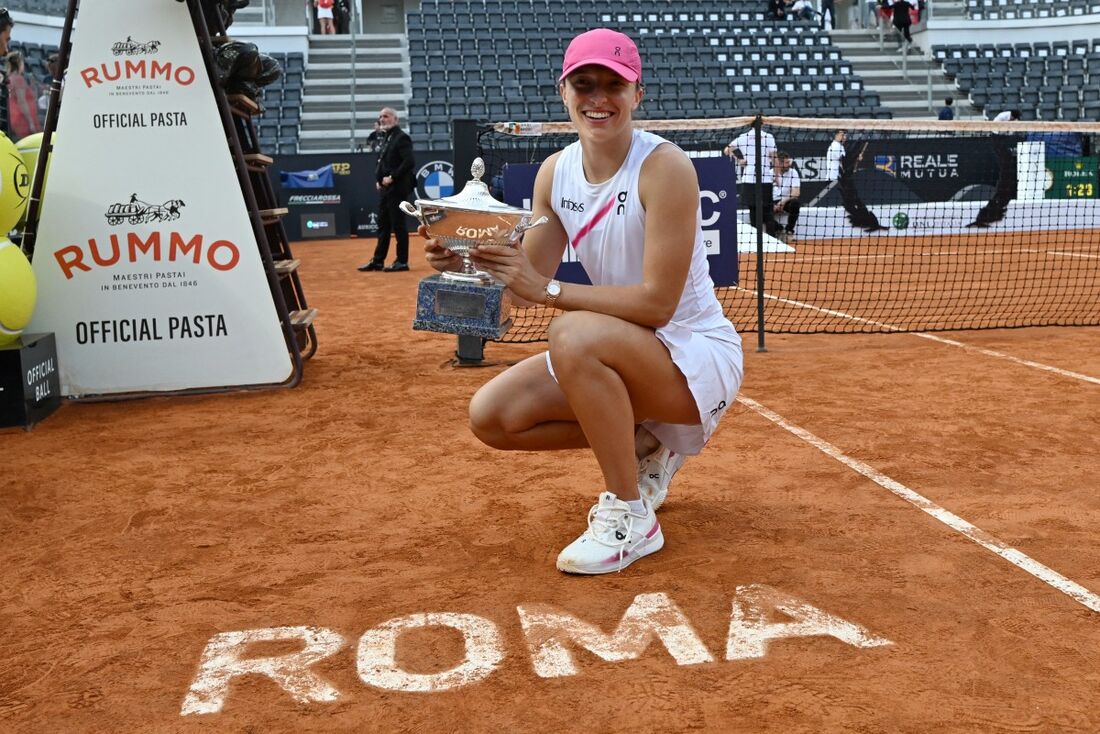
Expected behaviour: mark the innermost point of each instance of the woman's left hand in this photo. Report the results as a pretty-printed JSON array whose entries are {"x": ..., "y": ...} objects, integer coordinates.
[{"x": 510, "y": 266}]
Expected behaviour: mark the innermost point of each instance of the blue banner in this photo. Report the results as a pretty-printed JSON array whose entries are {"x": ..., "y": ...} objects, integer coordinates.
[
  {"x": 320, "y": 178},
  {"x": 717, "y": 198}
]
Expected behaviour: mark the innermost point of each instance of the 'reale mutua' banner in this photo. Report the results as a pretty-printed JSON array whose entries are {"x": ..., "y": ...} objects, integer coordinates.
[{"x": 147, "y": 265}]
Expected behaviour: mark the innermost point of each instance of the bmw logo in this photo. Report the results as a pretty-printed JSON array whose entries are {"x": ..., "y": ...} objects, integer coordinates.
[{"x": 435, "y": 180}]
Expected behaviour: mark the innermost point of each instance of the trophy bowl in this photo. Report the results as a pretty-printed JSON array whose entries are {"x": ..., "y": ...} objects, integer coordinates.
[{"x": 472, "y": 217}]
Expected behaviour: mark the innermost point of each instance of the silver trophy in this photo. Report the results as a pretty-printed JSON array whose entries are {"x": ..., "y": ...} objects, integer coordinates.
[{"x": 468, "y": 302}]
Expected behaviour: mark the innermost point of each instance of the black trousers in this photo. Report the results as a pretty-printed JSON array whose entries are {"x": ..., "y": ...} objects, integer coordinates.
[
  {"x": 746, "y": 199},
  {"x": 391, "y": 220},
  {"x": 792, "y": 207},
  {"x": 828, "y": 5}
]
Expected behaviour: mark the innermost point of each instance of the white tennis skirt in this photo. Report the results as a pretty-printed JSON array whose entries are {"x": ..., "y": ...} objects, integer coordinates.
[
  {"x": 324, "y": 13},
  {"x": 713, "y": 364}
]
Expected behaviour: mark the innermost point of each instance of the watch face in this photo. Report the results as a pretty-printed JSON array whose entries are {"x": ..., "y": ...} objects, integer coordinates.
[{"x": 553, "y": 289}]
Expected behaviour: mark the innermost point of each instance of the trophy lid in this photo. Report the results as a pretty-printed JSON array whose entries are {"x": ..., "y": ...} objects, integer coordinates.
[{"x": 475, "y": 197}]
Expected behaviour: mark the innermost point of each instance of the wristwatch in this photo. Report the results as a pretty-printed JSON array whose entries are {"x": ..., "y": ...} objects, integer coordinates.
[{"x": 553, "y": 290}]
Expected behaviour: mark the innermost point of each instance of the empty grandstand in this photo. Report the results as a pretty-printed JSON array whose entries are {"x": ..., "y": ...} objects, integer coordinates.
[
  {"x": 494, "y": 60},
  {"x": 703, "y": 58},
  {"x": 1044, "y": 81},
  {"x": 1029, "y": 9}
]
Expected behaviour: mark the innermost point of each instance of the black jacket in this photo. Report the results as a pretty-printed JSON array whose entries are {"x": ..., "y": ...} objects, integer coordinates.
[
  {"x": 901, "y": 17},
  {"x": 396, "y": 159}
]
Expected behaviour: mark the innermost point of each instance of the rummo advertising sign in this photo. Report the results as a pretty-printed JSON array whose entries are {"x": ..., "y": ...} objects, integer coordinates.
[{"x": 147, "y": 265}]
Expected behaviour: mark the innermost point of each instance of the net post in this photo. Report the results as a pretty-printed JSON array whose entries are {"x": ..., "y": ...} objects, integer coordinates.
[{"x": 758, "y": 128}]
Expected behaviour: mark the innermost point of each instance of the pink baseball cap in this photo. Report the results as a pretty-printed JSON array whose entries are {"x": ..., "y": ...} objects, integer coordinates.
[{"x": 604, "y": 47}]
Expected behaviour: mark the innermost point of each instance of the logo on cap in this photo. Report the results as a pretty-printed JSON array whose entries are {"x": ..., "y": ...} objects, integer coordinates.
[{"x": 603, "y": 47}]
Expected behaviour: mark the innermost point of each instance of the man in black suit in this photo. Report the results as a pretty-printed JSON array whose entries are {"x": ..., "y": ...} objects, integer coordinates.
[{"x": 395, "y": 181}]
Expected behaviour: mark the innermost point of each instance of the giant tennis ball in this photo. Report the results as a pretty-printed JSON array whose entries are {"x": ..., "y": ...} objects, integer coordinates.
[
  {"x": 15, "y": 185},
  {"x": 17, "y": 292},
  {"x": 29, "y": 147}
]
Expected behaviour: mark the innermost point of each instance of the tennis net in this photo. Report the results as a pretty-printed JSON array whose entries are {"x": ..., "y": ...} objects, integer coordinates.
[{"x": 898, "y": 225}]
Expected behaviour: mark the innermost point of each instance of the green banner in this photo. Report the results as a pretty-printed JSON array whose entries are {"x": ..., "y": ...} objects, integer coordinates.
[{"x": 1073, "y": 178}]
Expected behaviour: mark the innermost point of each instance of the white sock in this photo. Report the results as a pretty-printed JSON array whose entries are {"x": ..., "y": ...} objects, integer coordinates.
[{"x": 637, "y": 506}]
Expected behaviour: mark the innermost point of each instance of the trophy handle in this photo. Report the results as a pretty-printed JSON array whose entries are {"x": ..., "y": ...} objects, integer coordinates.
[
  {"x": 412, "y": 211},
  {"x": 537, "y": 223}
]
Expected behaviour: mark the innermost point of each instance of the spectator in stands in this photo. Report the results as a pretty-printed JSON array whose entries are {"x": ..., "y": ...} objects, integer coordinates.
[
  {"x": 777, "y": 10},
  {"x": 52, "y": 70},
  {"x": 869, "y": 15},
  {"x": 22, "y": 99},
  {"x": 802, "y": 10},
  {"x": 834, "y": 157},
  {"x": 948, "y": 112},
  {"x": 341, "y": 12},
  {"x": 828, "y": 6},
  {"x": 394, "y": 180},
  {"x": 325, "y": 16},
  {"x": 743, "y": 151},
  {"x": 901, "y": 20},
  {"x": 1007, "y": 116},
  {"x": 642, "y": 363},
  {"x": 788, "y": 189},
  {"x": 373, "y": 143},
  {"x": 6, "y": 25}
]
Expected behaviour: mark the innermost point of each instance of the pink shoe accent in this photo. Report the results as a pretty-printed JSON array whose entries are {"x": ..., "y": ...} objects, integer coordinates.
[{"x": 615, "y": 558}]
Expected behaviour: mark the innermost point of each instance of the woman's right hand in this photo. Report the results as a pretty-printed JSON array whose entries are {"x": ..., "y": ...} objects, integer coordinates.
[{"x": 438, "y": 256}]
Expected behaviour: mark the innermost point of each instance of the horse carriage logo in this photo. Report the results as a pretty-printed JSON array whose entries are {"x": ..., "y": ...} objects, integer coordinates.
[
  {"x": 130, "y": 47},
  {"x": 137, "y": 211}
]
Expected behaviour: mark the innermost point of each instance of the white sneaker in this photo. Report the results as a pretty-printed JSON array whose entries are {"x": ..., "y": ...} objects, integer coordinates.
[
  {"x": 655, "y": 473},
  {"x": 615, "y": 538}
]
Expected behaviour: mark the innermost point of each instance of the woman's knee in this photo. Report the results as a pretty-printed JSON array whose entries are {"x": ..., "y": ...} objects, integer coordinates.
[
  {"x": 486, "y": 419},
  {"x": 574, "y": 336}
]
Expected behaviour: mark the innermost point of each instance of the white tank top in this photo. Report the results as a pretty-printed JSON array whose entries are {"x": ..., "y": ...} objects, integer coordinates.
[{"x": 606, "y": 227}]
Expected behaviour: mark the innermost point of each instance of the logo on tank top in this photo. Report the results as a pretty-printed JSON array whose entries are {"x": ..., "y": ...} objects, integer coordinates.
[
  {"x": 573, "y": 206},
  {"x": 621, "y": 198}
]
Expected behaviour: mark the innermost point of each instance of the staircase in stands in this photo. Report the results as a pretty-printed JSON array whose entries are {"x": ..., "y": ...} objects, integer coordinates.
[
  {"x": 903, "y": 89},
  {"x": 382, "y": 73}
]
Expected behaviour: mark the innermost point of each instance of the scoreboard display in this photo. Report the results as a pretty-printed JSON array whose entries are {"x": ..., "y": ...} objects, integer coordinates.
[{"x": 1073, "y": 178}]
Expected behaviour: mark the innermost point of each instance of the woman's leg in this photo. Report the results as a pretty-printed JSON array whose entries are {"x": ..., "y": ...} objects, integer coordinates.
[{"x": 611, "y": 375}]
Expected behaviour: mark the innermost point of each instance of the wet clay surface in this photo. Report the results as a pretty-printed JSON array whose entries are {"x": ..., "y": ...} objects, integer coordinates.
[{"x": 134, "y": 532}]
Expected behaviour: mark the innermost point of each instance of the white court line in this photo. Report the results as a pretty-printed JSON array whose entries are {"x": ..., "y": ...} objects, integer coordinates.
[
  {"x": 942, "y": 253},
  {"x": 1016, "y": 558},
  {"x": 1072, "y": 254},
  {"x": 823, "y": 258},
  {"x": 980, "y": 350}
]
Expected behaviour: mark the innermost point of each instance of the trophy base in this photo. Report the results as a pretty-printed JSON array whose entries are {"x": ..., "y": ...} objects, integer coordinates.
[{"x": 450, "y": 306}]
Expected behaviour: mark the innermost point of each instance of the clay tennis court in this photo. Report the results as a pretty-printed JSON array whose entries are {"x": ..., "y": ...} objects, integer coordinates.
[{"x": 134, "y": 533}]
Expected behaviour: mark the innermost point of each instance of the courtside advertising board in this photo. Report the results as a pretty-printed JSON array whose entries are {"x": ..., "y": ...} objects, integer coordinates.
[{"x": 147, "y": 264}]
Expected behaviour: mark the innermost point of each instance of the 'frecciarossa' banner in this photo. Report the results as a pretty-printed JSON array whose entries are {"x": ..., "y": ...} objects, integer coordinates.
[
  {"x": 147, "y": 265},
  {"x": 717, "y": 200}
]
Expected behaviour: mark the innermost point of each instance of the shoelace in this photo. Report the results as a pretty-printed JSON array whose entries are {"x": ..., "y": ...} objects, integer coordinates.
[{"x": 613, "y": 519}]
